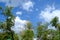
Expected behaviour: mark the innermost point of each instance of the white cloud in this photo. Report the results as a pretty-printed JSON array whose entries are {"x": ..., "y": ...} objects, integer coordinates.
[
  {"x": 19, "y": 13},
  {"x": 14, "y": 3},
  {"x": 19, "y": 25},
  {"x": 28, "y": 5},
  {"x": 49, "y": 13},
  {"x": 25, "y": 4},
  {"x": 50, "y": 27}
]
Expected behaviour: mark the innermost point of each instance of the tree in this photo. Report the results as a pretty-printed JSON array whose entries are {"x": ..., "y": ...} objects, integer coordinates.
[
  {"x": 39, "y": 32},
  {"x": 28, "y": 34},
  {"x": 16, "y": 37},
  {"x": 55, "y": 22},
  {"x": 6, "y": 26},
  {"x": 42, "y": 31}
]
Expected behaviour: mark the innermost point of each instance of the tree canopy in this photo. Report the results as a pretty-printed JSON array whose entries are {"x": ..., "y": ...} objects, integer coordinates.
[{"x": 41, "y": 32}]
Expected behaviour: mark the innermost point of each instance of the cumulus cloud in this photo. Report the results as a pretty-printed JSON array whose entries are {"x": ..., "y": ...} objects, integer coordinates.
[
  {"x": 19, "y": 25},
  {"x": 25, "y": 4},
  {"x": 49, "y": 13},
  {"x": 28, "y": 5},
  {"x": 14, "y": 3},
  {"x": 19, "y": 13}
]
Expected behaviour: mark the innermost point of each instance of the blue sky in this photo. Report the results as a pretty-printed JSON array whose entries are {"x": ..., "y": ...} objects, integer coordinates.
[{"x": 33, "y": 10}]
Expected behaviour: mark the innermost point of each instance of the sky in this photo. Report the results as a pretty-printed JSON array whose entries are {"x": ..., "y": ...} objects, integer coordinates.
[{"x": 32, "y": 10}]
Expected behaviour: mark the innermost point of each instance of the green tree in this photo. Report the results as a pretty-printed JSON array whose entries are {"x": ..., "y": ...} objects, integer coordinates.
[
  {"x": 28, "y": 34},
  {"x": 9, "y": 22},
  {"x": 55, "y": 22},
  {"x": 39, "y": 32},
  {"x": 42, "y": 31}
]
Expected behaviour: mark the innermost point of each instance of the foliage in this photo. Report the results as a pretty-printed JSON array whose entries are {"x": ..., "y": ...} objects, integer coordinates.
[
  {"x": 54, "y": 21},
  {"x": 6, "y": 25},
  {"x": 28, "y": 34},
  {"x": 43, "y": 33}
]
